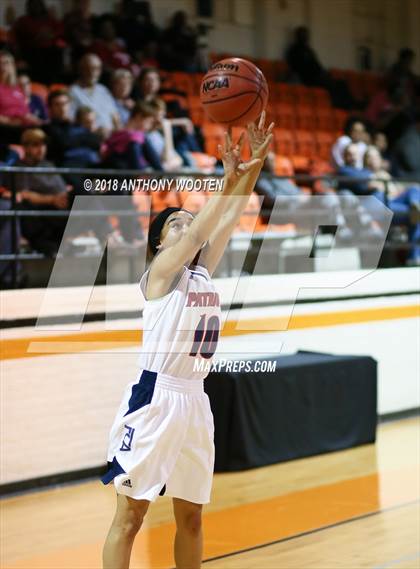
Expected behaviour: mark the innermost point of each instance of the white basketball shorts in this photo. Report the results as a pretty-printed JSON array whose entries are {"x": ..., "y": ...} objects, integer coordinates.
[{"x": 162, "y": 440}]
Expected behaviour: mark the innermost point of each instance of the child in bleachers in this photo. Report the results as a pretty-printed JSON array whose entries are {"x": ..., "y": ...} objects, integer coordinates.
[{"x": 128, "y": 148}]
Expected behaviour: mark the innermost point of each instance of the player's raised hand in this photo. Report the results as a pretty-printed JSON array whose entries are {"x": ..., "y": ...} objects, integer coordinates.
[
  {"x": 260, "y": 137},
  {"x": 233, "y": 164}
]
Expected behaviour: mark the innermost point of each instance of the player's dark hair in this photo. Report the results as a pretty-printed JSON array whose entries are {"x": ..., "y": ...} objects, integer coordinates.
[{"x": 156, "y": 227}]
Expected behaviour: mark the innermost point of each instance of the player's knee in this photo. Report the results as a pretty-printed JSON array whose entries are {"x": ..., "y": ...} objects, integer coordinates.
[
  {"x": 191, "y": 523},
  {"x": 128, "y": 527}
]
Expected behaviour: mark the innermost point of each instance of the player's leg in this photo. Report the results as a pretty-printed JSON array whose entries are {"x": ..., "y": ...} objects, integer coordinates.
[
  {"x": 125, "y": 525},
  {"x": 188, "y": 548}
]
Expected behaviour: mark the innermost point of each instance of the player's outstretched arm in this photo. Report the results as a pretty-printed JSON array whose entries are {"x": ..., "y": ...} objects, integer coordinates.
[
  {"x": 170, "y": 260},
  {"x": 260, "y": 139}
]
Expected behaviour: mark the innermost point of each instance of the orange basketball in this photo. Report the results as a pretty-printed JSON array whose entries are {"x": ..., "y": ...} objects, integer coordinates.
[{"x": 234, "y": 92}]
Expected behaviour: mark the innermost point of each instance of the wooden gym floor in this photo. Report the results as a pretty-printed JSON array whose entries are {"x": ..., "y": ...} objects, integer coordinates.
[{"x": 352, "y": 509}]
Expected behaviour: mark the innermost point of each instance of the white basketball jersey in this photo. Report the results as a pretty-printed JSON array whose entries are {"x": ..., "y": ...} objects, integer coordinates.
[{"x": 181, "y": 327}]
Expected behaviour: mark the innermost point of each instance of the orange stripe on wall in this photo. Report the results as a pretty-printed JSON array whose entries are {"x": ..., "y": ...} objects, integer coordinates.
[{"x": 112, "y": 339}]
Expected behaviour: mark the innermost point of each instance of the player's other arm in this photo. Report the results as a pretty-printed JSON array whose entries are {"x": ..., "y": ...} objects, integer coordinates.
[
  {"x": 260, "y": 139},
  {"x": 170, "y": 260}
]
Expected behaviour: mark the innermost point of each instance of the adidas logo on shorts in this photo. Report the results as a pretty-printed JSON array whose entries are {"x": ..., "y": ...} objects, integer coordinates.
[{"x": 127, "y": 483}]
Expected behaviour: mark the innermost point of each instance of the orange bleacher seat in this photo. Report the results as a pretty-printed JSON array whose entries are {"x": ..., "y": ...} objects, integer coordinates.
[
  {"x": 197, "y": 79},
  {"x": 305, "y": 143},
  {"x": 213, "y": 129},
  {"x": 284, "y": 142},
  {"x": 285, "y": 115},
  {"x": 283, "y": 93},
  {"x": 162, "y": 200},
  {"x": 193, "y": 201},
  {"x": 356, "y": 83},
  {"x": 324, "y": 141},
  {"x": 58, "y": 87},
  {"x": 340, "y": 118},
  {"x": 281, "y": 69},
  {"x": 305, "y": 118},
  {"x": 204, "y": 161},
  {"x": 40, "y": 90},
  {"x": 301, "y": 164},
  {"x": 213, "y": 136},
  {"x": 183, "y": 81},
  {"x": 268, "y": 68},
  {"x": 250, "y": 219},
  {"x": 374, "y": 82},
  {"x": 283, "y": 166},
  {"x": 197, "y": 115},
  {"x": 321, "y": 97},
  {"x": 325, "y": 119},
  {"x": 143, "y": 205},
  {"x": 302, "y": 95},
  {"x": 193, "y": 101}
]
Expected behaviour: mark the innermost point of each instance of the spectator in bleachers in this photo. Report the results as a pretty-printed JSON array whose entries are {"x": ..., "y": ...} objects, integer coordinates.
[
  {"x": 121, "y": 87},
  {"x": 35, "y": 103},
  {"x": 14, "y": 111},
  {"x": 148, "y": 84},
  {"x": 71, "y": 145},
  {"x": 380, "y": 142},
  {"x": 128, "y": 148},
  {"x": 8, "y": 157},
  {"x": 351, "y": 168},
  {"x": 40, "y": 191},
  {"x": 88, "y": 92},
  {"x": 303, "y": 61},
  {"x": 148, "y": 88},
  {"x": 401, "y": 72},
  {"x": 392, "y": 112},
  {"x": 405, "y": 155},
  {"x": 176, "y": 134},
  {"x": 109, "y": 48},
  {"x": 161, "y": 138},
  {"x": 305, "y": 66},
  {"x": 292, "y": 200},
  {"x": 403, "y": 201},
  {"x": 86, "y": 118},
  {"x": 39, "y": 38},
  {"x": 179, "y": 45},
  {"x": 135, "y": 24},
  {"x": 355, "y": 133},
  {"x": 78, "y": 28}
]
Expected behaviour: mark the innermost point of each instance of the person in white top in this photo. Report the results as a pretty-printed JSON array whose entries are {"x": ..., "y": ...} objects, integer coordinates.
[
  {"x": 161, "y": 440},
  {"x": 88, "y": 92},
  {"x": 354, "y": 132}
]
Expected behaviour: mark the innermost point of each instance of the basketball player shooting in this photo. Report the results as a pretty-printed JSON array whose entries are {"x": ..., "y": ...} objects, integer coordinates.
[{"x": 161, "y": 441}]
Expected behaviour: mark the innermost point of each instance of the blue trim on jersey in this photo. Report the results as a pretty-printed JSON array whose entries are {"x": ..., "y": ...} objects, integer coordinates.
[
  {"x": 114, "y": 469},
  {"x": 199, "y": 274},
  {"x": 142, "y": 392}
]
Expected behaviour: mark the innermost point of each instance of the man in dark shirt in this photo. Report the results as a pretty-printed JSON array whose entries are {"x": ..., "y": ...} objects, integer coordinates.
[
  {"x": 40, "y": 191},
  {"x": 72, "y": 145}
]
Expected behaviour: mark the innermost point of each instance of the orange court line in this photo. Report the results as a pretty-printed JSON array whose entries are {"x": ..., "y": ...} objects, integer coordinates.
[
  {"x": 76, "y": 342},
  {"x": 249, "y": 525}
]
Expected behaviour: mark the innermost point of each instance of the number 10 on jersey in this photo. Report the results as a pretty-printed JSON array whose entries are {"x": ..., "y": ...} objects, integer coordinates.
[{"x": 206, "y": 336}]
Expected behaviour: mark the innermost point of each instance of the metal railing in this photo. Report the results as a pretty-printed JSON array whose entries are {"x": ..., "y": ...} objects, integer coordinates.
[{"x": 15, "y": 213}]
